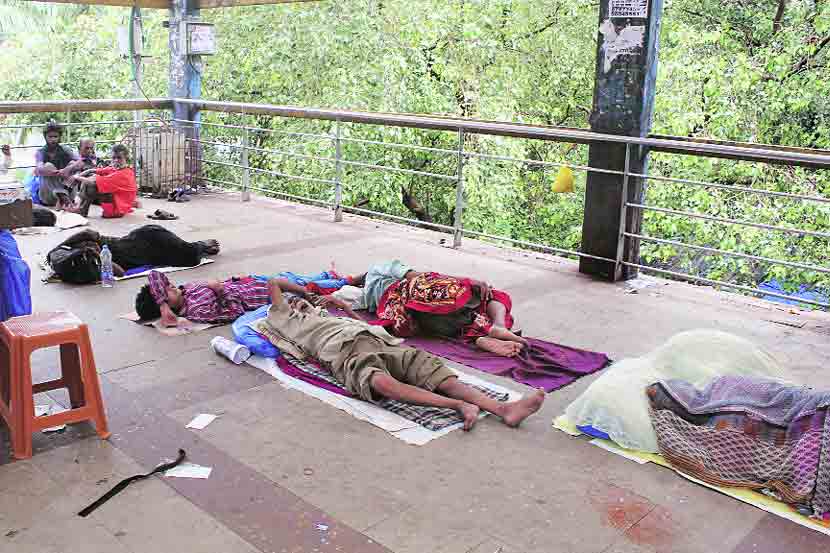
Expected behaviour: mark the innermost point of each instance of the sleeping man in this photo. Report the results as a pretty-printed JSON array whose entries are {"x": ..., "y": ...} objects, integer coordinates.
[
  {"x": 371, "y": 363},
  {"x": 217, "y": 302}
]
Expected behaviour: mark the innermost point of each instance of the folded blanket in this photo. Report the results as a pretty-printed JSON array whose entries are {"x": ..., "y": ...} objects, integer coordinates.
[
  {"x": 431, "y": 418},
  {"x": 748, "y": 432}
]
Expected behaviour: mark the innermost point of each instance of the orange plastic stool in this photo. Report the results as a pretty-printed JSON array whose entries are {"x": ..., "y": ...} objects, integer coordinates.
[{"x": 19, "y": 337}]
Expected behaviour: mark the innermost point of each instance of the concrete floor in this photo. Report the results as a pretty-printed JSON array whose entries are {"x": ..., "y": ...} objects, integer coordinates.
[{"x": 285, "y": 463}]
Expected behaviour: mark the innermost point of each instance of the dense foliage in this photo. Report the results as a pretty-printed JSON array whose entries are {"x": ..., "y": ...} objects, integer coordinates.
[{"x": 743, "y": 70}]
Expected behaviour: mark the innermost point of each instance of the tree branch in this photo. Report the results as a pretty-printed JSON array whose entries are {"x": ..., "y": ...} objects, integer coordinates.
[
  {"x": 804, "y": 63},
  {"x": 779, "y": 16}
]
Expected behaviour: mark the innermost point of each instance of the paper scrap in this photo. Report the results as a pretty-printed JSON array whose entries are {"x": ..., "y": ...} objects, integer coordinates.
[
  {"x": 42, "y": 410},
  {"x": 201, "y": 421},
  {"x": 322, "y": 527},
  {"x": 604, "y": 444},
  {"x": 189, "y": 470}
]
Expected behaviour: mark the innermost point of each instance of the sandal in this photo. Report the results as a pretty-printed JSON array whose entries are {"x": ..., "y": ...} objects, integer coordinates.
[{"x": 161, "y": 215}]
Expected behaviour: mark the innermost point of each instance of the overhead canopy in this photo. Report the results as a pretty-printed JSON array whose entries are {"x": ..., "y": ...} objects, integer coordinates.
[{"x": 164, "y": 4}]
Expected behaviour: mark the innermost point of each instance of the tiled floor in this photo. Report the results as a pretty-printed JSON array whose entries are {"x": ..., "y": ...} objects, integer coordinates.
[{"x": 291, "y": 474}]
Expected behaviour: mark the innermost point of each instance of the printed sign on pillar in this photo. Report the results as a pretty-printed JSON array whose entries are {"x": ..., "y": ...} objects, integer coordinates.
[{"x": 628, "y": 8}]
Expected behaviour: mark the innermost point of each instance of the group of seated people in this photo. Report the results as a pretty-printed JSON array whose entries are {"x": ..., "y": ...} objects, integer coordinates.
[{"x": 62, "y": 176}]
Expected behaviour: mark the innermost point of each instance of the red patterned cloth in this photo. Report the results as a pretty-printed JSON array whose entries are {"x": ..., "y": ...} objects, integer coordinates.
[{"x": 439, "y": 295}]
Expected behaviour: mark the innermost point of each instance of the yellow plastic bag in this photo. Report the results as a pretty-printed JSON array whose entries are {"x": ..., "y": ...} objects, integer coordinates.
[{"x": 564, "y": 181}]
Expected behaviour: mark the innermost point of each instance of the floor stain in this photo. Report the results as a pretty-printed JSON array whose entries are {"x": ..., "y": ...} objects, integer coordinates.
[{"x": 618, "y": 507}]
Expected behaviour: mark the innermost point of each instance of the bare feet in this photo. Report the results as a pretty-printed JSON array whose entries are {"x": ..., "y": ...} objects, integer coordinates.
[
  {"x": 517, "y": 411},
  {"x": 505, "y": 348},
  {"x": 470, "y": 413},
  {"x": 211, "y": 246},
  {"x": 503, "y": 334}
]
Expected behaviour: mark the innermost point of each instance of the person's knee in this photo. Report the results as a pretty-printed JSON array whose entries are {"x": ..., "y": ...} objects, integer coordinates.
[{"x": 49, "y": 166}]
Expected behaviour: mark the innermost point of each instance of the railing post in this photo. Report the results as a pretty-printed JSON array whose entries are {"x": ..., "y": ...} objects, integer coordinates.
[
  {"x": 618, "y": 268},
  {"x": 246, "y": 173},
  {"x": 338, "y": 174},
  {"x": 458, "y": 222}
]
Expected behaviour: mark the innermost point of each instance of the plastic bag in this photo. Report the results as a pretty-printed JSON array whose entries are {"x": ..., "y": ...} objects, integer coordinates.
[
  {"x": 616, "y": 403},
  {"x": 15, "y": 278},
  {"x": 246, "y": 336}
]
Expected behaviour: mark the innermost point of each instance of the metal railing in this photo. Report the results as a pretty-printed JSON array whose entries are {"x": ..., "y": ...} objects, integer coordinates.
[{"x": 223, "y": 151}]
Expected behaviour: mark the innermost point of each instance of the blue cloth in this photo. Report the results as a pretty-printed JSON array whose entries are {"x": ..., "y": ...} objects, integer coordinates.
[
  {"x": 378, "y": 280},
  {"x": 15, "y": 277},
  {"x": 249, "y": 338},
  {"x": 803, "y": 292},
  {"x": 593, "y": 432},
  {"x": 324, "y": 280},
  {"x": 32, "y": 184}
]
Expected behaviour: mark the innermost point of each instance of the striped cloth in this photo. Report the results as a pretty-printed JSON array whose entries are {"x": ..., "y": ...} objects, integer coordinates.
[
  {"x": 431, "y": 418},
  {"x": 203, "y": 305}
]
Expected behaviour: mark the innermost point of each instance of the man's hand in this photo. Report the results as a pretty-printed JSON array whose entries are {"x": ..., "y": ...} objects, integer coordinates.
[
  {"x": 6, "y": 149},
  {"x": 168, "y": 317},
  {"x": 217, "y": 287},
  {"x": 485, "y": 290}
]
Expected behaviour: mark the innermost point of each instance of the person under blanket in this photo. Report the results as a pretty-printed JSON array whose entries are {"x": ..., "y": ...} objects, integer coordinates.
[
  {"x": 213, "y": 301},
  {"x": 148, "y": 245},
  {"x": 411, "y": 302},
  {"x": 371, "y": 363}
]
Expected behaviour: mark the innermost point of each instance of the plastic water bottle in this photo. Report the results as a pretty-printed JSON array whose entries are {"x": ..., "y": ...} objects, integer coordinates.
[{"x": 106, "y": 267}]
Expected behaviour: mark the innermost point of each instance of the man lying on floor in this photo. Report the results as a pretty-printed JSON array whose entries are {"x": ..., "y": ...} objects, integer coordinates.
[
  {"x": 369, "y": 362},
  {"x": 433, "y": 304},
  {"x": 76, "y": 259},
  {"x": 215, "y": 302}
]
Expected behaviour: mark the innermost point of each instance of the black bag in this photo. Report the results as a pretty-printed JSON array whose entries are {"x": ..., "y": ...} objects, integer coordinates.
[{"x": 78, "y": 265}]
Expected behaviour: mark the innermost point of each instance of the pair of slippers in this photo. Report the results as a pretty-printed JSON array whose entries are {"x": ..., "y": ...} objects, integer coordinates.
[
  {"x": 161, "y": 215},
  {"x": 178, "y": 196}
]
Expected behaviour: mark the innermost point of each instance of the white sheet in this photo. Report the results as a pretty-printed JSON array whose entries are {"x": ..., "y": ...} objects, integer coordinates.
[
  {"x": 403, "y": 429},
  {"x": 205, "y": 261}
]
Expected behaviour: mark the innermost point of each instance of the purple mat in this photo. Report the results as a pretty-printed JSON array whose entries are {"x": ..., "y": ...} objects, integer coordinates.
[{"x": 543, "y": 365}]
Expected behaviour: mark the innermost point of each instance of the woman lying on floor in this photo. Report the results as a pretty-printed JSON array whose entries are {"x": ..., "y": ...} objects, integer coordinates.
[{"x": 432, "y": 304}]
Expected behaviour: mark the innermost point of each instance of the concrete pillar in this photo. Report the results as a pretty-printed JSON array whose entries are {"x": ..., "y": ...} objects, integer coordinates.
[
  {"x": 185, "y": 79},
  {"x": 626, "y": 71}
]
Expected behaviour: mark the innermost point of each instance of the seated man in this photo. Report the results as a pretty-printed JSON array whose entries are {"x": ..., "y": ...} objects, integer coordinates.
[
  {"x": 369, "y": 362},
  {"x": 212, "y": 301},
  {"x": 411, "y": 302},
  {"x": 54, "y": 165},
  {"x": 146, "y": 246},
  {"x": 5, "y": 160},
  {"x": 114, "y": 187}
]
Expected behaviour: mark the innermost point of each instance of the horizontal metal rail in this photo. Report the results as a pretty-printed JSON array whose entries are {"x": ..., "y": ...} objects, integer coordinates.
[
  {"x": 548, "y": 249},
  {"x": 745, "y": 189},
  {"x": 712, "y": 282},
  {"x": 87, "y": 124},
  {"x": 403, "y": 146},
  {"x": 247, "y": 128},
  {"x": 292, "y": 196},
  {"x": 407, "y": 220},
  {"x": 255, "y": 149},
  {"x": 399, "y": 170},
  {"x": 69, "y": 106},
  {"x": 275, "y": 173},
  {"x": 693, "y": 215},
  {"x": 544, "y": 163},
  {"x": 764, "y": 153},
  {"x": 771, "y": 260}
]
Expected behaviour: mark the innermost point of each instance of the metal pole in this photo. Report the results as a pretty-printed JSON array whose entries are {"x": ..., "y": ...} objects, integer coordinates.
[
  {"x": 618, "y": 268},
  {"x": 246, "y": 174},
  {"x": 338, "y": 174},
  {"x": 459, "y": 194}
]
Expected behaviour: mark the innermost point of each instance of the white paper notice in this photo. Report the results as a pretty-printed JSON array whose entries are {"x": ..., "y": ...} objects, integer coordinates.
[
  {"x": 628, "y": 8},
  {"x": 201, "y": 421},
  {"x": 189, "y": 470}
]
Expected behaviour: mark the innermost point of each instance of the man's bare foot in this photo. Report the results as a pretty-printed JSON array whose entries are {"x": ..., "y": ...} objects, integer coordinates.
[
  {"x": 503, "y": 334},
  {"x": 470, "y": 413},
  {"x": 517, "y": 411},
  {"x": 211, "y": 246},
  {"x": 505, "y": 348}
]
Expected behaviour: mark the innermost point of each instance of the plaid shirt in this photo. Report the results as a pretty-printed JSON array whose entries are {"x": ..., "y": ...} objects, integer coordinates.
[{"x": 203, "y": 305}]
